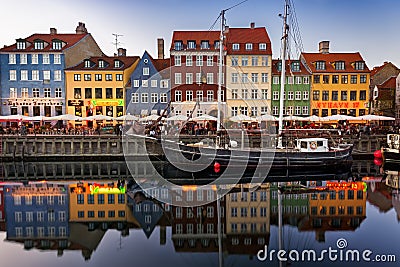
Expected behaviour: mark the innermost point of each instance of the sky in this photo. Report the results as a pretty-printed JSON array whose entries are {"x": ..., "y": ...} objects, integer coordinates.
[{"x": 366, "y": 26}]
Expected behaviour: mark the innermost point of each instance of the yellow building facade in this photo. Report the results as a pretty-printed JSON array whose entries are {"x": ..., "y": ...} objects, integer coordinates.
[
  {"x": 96, "y": 86},
  {"x": 340, "y": 82},
  {"x": 248, "y": 71}
]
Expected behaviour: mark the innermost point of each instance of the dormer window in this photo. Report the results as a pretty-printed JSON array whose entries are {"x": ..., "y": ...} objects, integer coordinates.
[
  {"x": 178, "y": 45},
  {"x": 57, "y": 45},
  {"x": 359, "y": 65},
  {"x": 235, "y": 46},
  {"x": 262, "y": 46},
  {"x": 249, "y": 46},
  {"x": 320, "y": 65},
  {"x": 191, "y": 45},
  {"x": 205, "y": 45},
  {"x": 101, "y": 64},
  {"x": 339, "y": 65},
  {"x": 87, "y": 63},
  {"x": 21, "y": 44},
  {"x": 117, "y": 64},
  {"x": 279, "y": 66},
  {"x": 38, "y": 45},
  {"x": 216, "y": 44},
  {"x": 295, "y": 66}
]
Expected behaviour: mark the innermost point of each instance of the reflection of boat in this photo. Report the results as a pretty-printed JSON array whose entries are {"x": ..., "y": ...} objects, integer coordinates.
[
  {"x": 391, "y": 153},
  {"x": 305, "y": 156}
]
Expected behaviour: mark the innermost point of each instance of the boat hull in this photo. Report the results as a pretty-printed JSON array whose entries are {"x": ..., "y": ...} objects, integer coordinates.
[
  {"x": 183, "y": 161},
  {"x": 391, "y": 159}
]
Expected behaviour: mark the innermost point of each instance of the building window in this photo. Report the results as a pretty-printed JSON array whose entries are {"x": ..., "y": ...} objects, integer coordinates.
[
  {"x": 163, "y": 98},
  {"x": 178, "y": 45},
  {"x": 98, "y": 77},
  {"x": 24, "y": 75},
  {"x": 254, "y": 111},
  {"x": 234, "y": 61},
  {"x": 305, "y": 110},
  {"x": 275, "y": 95},
  {"x": 13, "y": 75},
  {"x": 234, "y": 77},
  {"x": 46, "y": 58},
  {"x": 343, "y": 95},
  {"x": 191, "y": 45},
  {"x": 178, "y": 96},
  {"x": 359, "y": 65},
  {"x": 363, "y": 78},
  {"x": 145, "y": 97},
  {"x": 109, "y": 94},
  {"x": 77, "y": 77},
  {"x": 335, "y": 95},
  {"x": 24, "y": 94},
  {"x": 345, "y": 79},
  {"x": 154, "y": 98},
  {"x": 38, "y": 45},
  {"x": 87, "y": 77},
  {"x": 108, "y": 77},
  {"x": 23, "y": 59},
  {"x": 325, "y": 79},
  {"x": 199, "y": 60},
  {"x": 317, "y": 78},
  {"x": 12, "y": 58},
  {"x": 189, "y": 78},
  {"x": 47, "y": 92},
  {"x": 57, "y": 75},
  {"x": 210, "y": 95},
  {"x": 339, "y": 65},
  {"x": 210, "y": 78},
  {"x": 46, "y": 75},
  {"x": 264, "y": 93},
  {"x": 117, "y": 64},
  {"x": 325, "y": 95},
  {"x": 118, "y": 77},
  {"x": 305, "y": 95},
  {"x": 98, "y": 93},
  {"x": 189, "y": 95},
  {"x": 35, "y": 92},
  {"x": 57, "y": 59},
  {"x": 353, "y": 79},
  {"x": 335, "y": 79},
  {"x": 135, "y": 98},
  {"x": 295, "y": 66},
  {"x": 254, "y": 77},
  {"x": 320, "y": 65},
  {"x": 249, "y": 46},
  {"x": 245, "y": 78},
  {"x": 363, "y": 95},
  {"x": 315, "y": 95},
  {"x": 205, "y": 45},
  {"x": 210, "y": 60},
  {"x": 235, "y": 46},
  {"x": 254, "y": 93},
  {"x": 262, "y": 46},
  {"x": 234, "y": 111},
  {"x": 298, "y": 95},
  {"x": 245, "y": 61},
  {"x": 178, "y": 78},
  {"x": 58, "y": 92},
  {"x": 353, "y": 95},
  {"x": 306, "y": 80}
]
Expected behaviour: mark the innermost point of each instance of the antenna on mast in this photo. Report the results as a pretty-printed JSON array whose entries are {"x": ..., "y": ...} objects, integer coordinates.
[{"x": 116, "y": 43}]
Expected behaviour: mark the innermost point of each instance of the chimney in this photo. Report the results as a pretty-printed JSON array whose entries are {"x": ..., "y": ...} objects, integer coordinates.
[
  {"x": 252, "y": 25},
  {"x": 81, "y": 29},
  {"x": 324, "y": 47},
  {"x": 121, "y": 52},
  {"x": 53, "y": 31},
  {"x": 160, "y": 48}
]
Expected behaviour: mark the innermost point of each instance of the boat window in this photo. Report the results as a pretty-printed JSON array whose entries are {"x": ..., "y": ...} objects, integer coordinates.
[
  {"x": 320, "y": 143},
  {"x": 303, "y": 144}
]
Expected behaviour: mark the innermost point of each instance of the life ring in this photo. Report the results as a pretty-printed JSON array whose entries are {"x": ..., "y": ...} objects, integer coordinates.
[{"x": 313, "y": 145}]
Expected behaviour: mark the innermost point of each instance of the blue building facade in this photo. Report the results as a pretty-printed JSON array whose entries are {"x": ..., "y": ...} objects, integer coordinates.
[
  {"x": 37, "y": 214},
  {"x": 149, "y": 92},
  {"x": 32, "y": 79}
]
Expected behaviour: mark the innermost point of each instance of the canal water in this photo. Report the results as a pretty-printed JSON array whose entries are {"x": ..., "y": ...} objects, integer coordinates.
[{"x": 103, "y": 222}]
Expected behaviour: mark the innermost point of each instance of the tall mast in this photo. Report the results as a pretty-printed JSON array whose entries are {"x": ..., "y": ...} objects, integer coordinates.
[
  {"x": 221, "y": 50},
  {"x": 283, "y": 73}
]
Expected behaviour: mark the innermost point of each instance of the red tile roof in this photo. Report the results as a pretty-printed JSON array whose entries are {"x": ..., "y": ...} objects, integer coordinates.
[
  {"x": 161, "y": 66},
  {"x": 126, "y": 61},
  {"x": 196, "y": 36},
  {"x": 68, "y": 39},
  {"x": 331, "y": 58},
  {"x": 242, "y": 36},
  {"x": 389, "y": 83},
  {"x": 275, "y": 71}
]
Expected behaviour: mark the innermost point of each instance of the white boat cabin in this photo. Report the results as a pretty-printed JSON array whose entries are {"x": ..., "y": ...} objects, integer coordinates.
[{"x": 312, "y": 145}]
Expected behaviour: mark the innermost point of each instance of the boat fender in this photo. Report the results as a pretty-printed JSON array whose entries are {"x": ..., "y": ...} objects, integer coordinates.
[
  {"x": 313, "y": 145},
  {"x": 217, "y": 167}
]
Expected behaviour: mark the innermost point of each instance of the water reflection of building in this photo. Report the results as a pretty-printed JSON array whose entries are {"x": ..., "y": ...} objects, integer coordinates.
[
  {"x": 147, "y": 212},
  {"x": 294, "y": 207},
  {"x": 37, "y": 215},
  {"x": 247, "y": 220},
  {"x": 336, "y": 210},
  {"x": 2, "y": 213},
  {"x": 195, "y": 229},
  {"x": 380, "y": 196}
]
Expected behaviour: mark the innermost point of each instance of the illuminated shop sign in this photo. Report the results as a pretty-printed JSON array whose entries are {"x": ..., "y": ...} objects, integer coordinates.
[
  {"x": 75, "y": 102},
  {"x": 37, "y": 190},
  {"x": 347, "y": 185},
  {"x": 107, "y": 102},
  {"x": 338, "y": 104},
  {"x": 105, "y": 189}
]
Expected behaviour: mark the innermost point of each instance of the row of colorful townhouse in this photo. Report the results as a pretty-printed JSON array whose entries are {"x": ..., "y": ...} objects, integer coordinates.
[{"x": 54, "y": 74}]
